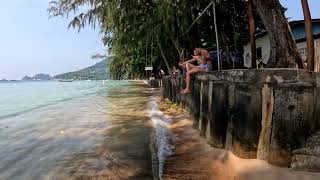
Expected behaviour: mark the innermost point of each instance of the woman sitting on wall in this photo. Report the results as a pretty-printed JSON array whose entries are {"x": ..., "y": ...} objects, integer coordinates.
[{"x": 201, "y": 56}]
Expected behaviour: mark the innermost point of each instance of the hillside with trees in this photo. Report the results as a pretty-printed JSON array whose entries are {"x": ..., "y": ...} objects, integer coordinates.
[{"x": 95, "y": 72}]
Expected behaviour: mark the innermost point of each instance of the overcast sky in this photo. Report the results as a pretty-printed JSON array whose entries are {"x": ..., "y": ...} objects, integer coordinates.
[{"x": 32, "y": 43}]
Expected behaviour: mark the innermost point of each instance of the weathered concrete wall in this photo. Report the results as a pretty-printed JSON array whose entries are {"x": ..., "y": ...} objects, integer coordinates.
[
  {"x": 155, "y": 83},
  {"x": 264, "y": 114}
]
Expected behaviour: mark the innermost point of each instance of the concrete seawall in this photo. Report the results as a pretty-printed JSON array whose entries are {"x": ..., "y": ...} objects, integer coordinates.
[{"x": 264, "y": 114}]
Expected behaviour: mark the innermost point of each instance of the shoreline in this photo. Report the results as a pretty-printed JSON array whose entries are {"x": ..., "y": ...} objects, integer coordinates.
[{"x": 195, "y": 159}]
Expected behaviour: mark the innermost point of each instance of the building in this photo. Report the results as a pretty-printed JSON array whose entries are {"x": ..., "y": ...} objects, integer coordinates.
[{"x": 299, "y": 34}]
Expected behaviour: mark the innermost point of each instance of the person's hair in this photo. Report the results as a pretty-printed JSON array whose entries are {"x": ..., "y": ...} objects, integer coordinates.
[
  {"x": 203, "y": 56},
  {"x": 197, "y": 52}
]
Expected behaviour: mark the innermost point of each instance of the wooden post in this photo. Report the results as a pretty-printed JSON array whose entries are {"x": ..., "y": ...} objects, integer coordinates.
[
  {"x": 309, "y": 35},
  {"x": 252, "y": 30}
]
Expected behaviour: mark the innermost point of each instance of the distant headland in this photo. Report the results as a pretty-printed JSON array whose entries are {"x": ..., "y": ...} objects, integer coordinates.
[{"x": 99, "y": 71}]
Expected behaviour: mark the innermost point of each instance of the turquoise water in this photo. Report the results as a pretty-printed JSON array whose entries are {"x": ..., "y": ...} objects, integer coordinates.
[
  {"x": 56, "y": 130},
  {"x": 19, "y": 98}
]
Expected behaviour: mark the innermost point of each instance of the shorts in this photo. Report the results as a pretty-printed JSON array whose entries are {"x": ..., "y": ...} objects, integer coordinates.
[{"x": 204, "y": 66}]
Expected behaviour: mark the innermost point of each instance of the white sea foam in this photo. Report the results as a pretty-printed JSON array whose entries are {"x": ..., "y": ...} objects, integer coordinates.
[{"x": 161, "y": 137}]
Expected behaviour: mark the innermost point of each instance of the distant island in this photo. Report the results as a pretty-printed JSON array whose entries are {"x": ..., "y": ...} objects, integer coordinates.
[
  {"x": 38, "y": 77},
  {"x": 96, "y": 72}
]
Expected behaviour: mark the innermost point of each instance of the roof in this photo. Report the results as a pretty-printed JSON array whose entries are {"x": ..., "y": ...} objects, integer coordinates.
[
  {"x": 261, "y": 34},
  {"x": 292, "y": 24},
  {"x": 301, "y": 22},
  {"x": 315, "y": 36}
]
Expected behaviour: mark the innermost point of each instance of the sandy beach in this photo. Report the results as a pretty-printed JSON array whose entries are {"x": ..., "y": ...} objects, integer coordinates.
[{"x": 195, "y": 159}]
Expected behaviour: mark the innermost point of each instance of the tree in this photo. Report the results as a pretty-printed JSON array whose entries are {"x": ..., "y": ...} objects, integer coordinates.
[
  {"x": 309, "y": 34},
  {"x": 284, "y": 52},
  {"x": 132, "y": 26}
]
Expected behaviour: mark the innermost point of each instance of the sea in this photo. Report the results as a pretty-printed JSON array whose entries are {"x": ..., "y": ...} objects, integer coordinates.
[{"x": 82, "y": 130}]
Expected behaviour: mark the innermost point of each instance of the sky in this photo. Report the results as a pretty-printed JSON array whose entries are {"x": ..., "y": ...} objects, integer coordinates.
[
  {"x": 295, "y": 12},
  {"x": 31, "y": 43}
]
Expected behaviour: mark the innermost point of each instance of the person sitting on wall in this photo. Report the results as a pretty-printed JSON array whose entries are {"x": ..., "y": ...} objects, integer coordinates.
[
  {"x": 208, "y": 58},
  {"x": 175, "y": 71},
  {"x": 185, "y": 57},
  {"x": 161, "y": 74},
  {"x": 201, "y": 56}
]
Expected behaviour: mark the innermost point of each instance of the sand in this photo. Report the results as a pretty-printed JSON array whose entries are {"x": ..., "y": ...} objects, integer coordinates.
[{"x": 195, "y": 159}]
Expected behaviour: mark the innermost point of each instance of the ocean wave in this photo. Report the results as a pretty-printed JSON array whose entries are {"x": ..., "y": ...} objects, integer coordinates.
[
  {"x": 44, "y": 105},
  {"x": 161, "y": 139}
]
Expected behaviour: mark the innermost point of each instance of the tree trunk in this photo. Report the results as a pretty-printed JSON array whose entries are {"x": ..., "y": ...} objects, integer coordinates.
[
  {"x": 177, "y": 46},
  {"x": 216, "y": 34},
  {"x": 309, "y": 34},
  {"x": 284, "y": 53},
  {"x": 164, "y": 57},
  {"x": 225, "y": 44},
  {"x": 252, "y": 30}
]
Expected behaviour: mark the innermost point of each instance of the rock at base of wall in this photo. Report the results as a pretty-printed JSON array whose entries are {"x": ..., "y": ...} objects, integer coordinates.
[{"x": 308, "y": 157}]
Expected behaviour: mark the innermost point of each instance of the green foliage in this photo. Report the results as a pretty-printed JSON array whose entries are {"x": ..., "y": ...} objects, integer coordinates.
[
  {"x": 95, "y": 72},
  {"x": 132, "y": 28}
]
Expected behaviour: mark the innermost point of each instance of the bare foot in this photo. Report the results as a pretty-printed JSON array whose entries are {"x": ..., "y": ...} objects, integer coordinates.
[{"x": 185, "y": 91}]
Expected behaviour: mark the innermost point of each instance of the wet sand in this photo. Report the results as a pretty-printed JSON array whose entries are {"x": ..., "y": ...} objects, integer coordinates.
[{"x": 195, "y": 159}]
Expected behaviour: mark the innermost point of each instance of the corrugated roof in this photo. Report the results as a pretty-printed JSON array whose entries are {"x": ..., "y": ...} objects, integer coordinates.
[
  {"x": 292, "y": 25},
  {"x": 301, "y": 22},
  {"x": 315, "y": 36}
]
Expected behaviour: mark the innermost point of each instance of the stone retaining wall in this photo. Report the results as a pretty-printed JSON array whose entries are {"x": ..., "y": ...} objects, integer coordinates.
[{"x": 264, "y": 114}]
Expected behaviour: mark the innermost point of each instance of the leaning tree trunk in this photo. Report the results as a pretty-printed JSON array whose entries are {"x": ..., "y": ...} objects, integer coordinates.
[
  {"x": 177, "y": 46},
  {"x": 309, "y": 33},
  {"x": 164, "y": 57},
  {"x": 284, "y": 53}
]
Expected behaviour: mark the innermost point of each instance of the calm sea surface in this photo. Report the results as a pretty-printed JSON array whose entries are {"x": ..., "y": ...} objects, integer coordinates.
[{"x": 77, "y": 130}]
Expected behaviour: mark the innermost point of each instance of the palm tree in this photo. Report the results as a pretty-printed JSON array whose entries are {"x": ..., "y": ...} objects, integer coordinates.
[{"x": 309, "y": 34}]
